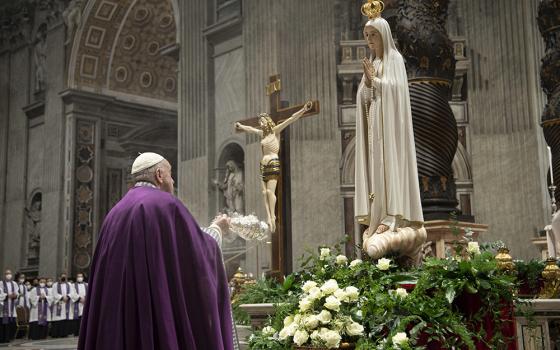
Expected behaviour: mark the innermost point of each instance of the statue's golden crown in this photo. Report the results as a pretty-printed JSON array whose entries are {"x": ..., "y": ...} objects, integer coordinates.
[{"x": 373, "y": 8}]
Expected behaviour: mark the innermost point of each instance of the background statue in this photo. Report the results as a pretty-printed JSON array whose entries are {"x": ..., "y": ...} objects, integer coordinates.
[
  {"x": 72, "y": 16},
  {"x": 40, "y": 57},
  {"x": 33, "y": 228},
  {"x": 387, "y": 195},
  {"x": 270, "y": 162},
  {"x": 232, "y": 188}
]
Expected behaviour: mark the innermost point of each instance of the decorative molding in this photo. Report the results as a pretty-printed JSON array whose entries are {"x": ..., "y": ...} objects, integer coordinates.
[{"x": 84, "y": 192}]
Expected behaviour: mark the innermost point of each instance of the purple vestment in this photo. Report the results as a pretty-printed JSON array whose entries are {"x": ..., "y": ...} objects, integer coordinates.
[{"x": 156, "y": 282}]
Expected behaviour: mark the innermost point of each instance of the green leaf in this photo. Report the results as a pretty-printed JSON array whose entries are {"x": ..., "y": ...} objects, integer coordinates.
[
  {"x": 450, "y": 295},
  {"x": 470, "y": 288},
  {"x": 484, "y": 284}
]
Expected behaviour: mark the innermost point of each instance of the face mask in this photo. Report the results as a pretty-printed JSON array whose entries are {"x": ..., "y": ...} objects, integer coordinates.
[
  {"x": 80, "y": 279},
  {"x": 28, "y": 287},
  {"x": 8, "y": 277},
  {"x": 22, "y": 281},
  {"x": 49, "y": 284},
  {"x": 42, "y": 285}
]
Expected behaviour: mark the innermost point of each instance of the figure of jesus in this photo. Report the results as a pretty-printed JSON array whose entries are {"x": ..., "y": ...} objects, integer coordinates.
[{"x": 270, "y": 162}]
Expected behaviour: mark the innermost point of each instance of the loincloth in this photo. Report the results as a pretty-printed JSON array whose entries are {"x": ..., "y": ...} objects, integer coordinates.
[{"x": 270, "y": 170}]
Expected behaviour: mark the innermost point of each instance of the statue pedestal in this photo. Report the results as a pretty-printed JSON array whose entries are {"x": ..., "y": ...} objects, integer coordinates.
[{"x": 443, "y": 234}]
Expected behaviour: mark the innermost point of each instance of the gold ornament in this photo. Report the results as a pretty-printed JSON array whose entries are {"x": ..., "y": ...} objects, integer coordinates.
[
  {"x": 505, "y": 262},
  {"x": 551, "y": 277},
  {"x": 373, "y": 8}
]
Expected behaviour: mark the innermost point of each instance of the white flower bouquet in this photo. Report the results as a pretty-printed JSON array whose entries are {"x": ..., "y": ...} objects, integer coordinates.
[{"x": 325, "y": 317}]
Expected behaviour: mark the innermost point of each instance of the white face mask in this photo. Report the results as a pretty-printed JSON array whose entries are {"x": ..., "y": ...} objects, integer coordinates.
[
  {"x": 80, "y": 279},
  {"x": 9, "y": 277},
  {"x": 49, "y": 284},
  {"x": 42, "y": 285}
]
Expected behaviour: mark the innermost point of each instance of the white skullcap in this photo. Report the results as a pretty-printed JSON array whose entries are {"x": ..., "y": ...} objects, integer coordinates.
[{"x": 144, "y": 161}]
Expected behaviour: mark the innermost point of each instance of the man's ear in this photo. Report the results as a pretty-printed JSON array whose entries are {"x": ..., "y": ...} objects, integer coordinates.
[{"x": 159, "y": 177}]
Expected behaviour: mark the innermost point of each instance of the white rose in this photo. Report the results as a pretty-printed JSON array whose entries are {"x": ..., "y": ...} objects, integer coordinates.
[
  {"x": 332, "y": 303},
  {"x": 341, "y": 260},
  {"x": 308, "y": 285},
  {"x": 331, "y": 339},
  {"x": 324, "y": 316},
  {"x": 315, "y": 293},
  {"x": 314, "y": 335},
  {"x": 401, "y": 292},
  {"x": 400, "y": 339},
  {"x": 287, "y": 331},
  {"x": 305, "y": 304},
  {"x": 383, "y": 264},
  {"x": 288, "y": 320},
  {"x": 354, "y": 328},
  {"x": 325, "y": 252},
  {"x": 473, "y": 248},
  {"x": 352, "y": 293},
  {"x": 300, "y": 337},
  {"x": 355, "y": 263},
  {"x": 297, "y": 319},
  {"x": 340, "y": 294},
  {"x": 311, "y": 322},
  {"x": 329, "y": 287},
  {"x": 268, "y": 331}
]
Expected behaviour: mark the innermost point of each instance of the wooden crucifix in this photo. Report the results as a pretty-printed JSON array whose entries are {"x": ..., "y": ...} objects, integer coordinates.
[{"x": 278, "y": 170}]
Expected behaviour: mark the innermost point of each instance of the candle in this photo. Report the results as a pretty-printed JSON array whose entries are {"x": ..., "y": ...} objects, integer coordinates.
[{"x": 550, "y": 163}]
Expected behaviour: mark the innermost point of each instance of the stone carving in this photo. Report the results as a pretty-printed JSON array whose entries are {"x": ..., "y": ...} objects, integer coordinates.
[
  {"x": 72, "y": 16},
  {"x": 33, "y": 229},
  {"x": 232, "y": 188},
  {"x": 40, "y": 57},
  {"x": 84, "y": 189}
]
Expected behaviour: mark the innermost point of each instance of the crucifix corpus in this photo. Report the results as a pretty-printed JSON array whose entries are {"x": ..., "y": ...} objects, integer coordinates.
[{"x": 275, "y": 167}]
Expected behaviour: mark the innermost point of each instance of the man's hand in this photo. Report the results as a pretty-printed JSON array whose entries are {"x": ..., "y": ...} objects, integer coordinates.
[
  {"x": 64, "y": 299},
  {"x": 13, "y": 296},
  {"x": 222, "y": 221}
]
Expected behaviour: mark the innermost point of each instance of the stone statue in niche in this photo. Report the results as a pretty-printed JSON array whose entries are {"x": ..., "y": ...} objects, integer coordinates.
[
  {"x": 72, "y": 16},
  {"x": 33, "y": 229},
  {"x": 40, "y": 57},
  {"x": 232, "y": 188}
]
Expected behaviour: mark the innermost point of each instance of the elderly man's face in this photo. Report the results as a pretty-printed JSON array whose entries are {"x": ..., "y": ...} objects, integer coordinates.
[{"x": 164, "y": 178}]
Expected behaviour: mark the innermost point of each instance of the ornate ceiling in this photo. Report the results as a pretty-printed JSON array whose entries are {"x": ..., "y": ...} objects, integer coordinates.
[{"x": 117, "y": 49}]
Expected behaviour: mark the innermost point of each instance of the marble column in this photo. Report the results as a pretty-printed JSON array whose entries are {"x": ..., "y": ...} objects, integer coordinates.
[
  {"x": 419, "y": 29},
  {"x": 549, "y": 26}
]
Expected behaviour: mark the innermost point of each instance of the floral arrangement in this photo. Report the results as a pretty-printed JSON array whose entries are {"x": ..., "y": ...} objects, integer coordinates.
[
  {"x": 326, "y": 314},
  {"x": 377, "y": 305}
]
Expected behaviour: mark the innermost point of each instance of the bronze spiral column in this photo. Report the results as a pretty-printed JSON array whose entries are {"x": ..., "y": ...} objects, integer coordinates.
[
  {"x": 549, "y": 26},
  {"x": 419, "y": 29}
]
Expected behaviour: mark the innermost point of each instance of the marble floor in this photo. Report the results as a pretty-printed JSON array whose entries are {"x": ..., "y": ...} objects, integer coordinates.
[{"x": 49, "y": 344}]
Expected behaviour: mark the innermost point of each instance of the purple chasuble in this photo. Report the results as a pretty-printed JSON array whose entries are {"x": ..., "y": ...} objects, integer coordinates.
[
  {"x": 42, "y": 307},
  {"x": 157, "y": 281}
]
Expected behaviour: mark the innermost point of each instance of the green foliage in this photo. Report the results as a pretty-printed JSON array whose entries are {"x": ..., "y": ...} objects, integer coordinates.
[
  {"x": 263, "y": 291},
  {"x": 430, "y": 312},
  {"x": 530, "y": 271}
]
